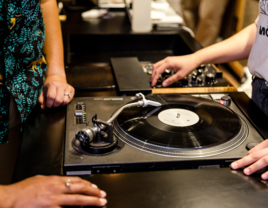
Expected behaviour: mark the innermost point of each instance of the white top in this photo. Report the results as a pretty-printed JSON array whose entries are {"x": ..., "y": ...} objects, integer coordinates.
[{"x": 258, "y": 58}]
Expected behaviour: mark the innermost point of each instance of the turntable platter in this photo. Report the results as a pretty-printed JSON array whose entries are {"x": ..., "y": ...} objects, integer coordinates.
[{"x": 182, "y": 125}]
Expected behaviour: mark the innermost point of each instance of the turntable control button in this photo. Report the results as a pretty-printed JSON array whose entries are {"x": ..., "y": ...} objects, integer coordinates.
[
  {"x": 250, "y": 145},
  {"x": 225, "y": 100}
]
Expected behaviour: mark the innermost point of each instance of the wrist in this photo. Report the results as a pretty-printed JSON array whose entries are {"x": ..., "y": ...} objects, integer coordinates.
[
  {"x": 198, "y": 57},
  {"x": 56, "y": 70}
]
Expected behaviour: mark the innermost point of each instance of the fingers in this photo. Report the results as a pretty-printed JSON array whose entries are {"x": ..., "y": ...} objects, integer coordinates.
[
  {"x": 83, "y": 187},
  {"x": 67, "y": 98},
  {"x": 59, "y": 97},
  {"x": 172, "y": 79},
  {"x": 41, "y": 100},
  {"x": 51, "y": 95},
  {"x": 159, "y": 69},
  {"x": 79, "y": 200},
  {"x": 56, "y": 94},
  {"x": 260, "y": 146},
  {"x": 258, "y": 160}
]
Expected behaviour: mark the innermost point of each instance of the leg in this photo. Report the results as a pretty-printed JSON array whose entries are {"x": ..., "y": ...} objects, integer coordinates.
[{"x": 210, "y": 18}]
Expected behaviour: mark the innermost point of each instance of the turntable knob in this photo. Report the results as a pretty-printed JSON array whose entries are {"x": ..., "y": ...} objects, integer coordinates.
[
  {"x": 210, "y": 78},
  {"x": 251, "y": 145},
  {"x": 225, "y": 100}
]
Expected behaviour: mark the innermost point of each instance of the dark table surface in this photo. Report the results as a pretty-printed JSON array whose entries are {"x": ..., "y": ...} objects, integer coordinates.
[{"x": 41, "y": 152}]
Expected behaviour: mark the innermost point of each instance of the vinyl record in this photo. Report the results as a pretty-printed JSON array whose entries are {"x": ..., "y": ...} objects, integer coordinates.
[{"x": 181, "y": 122}]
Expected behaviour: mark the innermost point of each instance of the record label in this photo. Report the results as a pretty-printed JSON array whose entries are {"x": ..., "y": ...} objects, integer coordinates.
[{"x": 178, "y": 117}]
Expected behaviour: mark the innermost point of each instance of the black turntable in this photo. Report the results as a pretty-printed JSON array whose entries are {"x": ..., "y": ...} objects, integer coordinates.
[{"x": 158, "y": 132}]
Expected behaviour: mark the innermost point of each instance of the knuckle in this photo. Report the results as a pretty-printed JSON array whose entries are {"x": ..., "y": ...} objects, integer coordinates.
[
  {"x": 83, "y": 187},
  {"x": 78, "y": 179},
  {"x": 265, "y": 160},
  {"x": 255, "y": 156},
  {"x": 57, "y": 102},
  {"x": 54, "y": 179},
  {"x": 78, "y": 200}
]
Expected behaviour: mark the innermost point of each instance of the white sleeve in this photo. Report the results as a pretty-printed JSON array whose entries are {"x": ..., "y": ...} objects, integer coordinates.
[{"x": 257, "y": 21}]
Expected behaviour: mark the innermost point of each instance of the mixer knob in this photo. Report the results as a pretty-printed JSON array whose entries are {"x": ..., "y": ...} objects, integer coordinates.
[
  {"x": 194, "y": 73},
  {"x": 210, "y": 78},
  {"x": 203, "y": 66},
  {"x": 199, "y": 81},
  {"x": 193, "y": 79},
  {"x": 199, "y": 72},
  {"x": 185, "y": 81},
  {"x": 158, "y": 83}
]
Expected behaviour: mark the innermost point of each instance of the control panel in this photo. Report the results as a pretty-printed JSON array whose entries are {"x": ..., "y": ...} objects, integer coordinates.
[{"x": 203, "y": 76}]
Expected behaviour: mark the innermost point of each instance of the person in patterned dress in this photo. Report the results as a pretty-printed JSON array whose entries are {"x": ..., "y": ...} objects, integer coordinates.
[{"x": 31, "y": 71}]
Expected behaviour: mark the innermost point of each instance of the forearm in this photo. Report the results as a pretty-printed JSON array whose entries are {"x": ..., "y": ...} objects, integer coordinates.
[
  {"x": 53, "y": 46},
  {"x": 235, "y": 48}
]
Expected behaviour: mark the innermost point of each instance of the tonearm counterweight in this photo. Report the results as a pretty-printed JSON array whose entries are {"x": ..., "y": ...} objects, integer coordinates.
[{"x": 99, "y": 138}]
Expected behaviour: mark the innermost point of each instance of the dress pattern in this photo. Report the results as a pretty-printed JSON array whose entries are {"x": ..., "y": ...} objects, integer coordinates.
[{"x": 22, "y": 64}]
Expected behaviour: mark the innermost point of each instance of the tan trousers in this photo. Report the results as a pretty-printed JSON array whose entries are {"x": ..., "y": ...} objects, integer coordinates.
[{"x": 204, "y": 17}]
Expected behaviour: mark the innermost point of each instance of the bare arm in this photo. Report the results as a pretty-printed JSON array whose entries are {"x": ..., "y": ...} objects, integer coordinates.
[
  {"x": 235, "y": 48},
  {"x": 55, "y": 85}
]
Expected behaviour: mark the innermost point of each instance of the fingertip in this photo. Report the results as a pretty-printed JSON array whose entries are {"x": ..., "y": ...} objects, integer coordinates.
[
  {"x": 234, "y": 165},
  {"x": 94, "y": 186},
  {"x": 247, "y": 171},
  {"x": 264, "y": 176},
  {"x": 165, "y": 84},
  {"x": 103, "y": 194},
  {"x": 103, "y": 201}
]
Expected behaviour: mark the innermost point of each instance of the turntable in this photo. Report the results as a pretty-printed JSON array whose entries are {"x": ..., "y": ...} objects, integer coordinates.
[{"x": 158, "y": 132}]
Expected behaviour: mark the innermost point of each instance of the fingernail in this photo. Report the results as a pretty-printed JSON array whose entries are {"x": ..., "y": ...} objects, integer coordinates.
[
  {"x": 247, "y": 171},
  {"x": 94, "y": 186},
  {"x": 103, "y": 194},
  {"x": 234, "y": 165},
  {"x": 103, "y": 201},
  {"x": 164, "y": 84},
  {"x": 264, "y": 176}
]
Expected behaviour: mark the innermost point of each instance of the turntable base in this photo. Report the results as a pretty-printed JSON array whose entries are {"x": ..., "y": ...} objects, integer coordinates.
[{"x": 128, "y": 157}]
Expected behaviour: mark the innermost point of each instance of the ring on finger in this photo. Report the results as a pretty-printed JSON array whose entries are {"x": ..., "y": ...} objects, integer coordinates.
[
  {"x": 68, "y": 183},
  {"x": 68, "y": 94}
]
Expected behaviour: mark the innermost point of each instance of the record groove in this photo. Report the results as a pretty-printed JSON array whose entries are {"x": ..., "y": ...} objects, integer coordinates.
[{"x": 218, "y": 129}]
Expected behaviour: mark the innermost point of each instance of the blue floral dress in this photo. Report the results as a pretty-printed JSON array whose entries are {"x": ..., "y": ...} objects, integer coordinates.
[{"x": 22, "y": 64}]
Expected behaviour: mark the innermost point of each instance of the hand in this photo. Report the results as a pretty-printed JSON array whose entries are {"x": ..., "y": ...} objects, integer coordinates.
[
  {"x": 257, "y": 158},
  {"x": 182, "y": 66},
  {"x": 52, "y": 192},
  {"x": 53, "y": 92}
]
